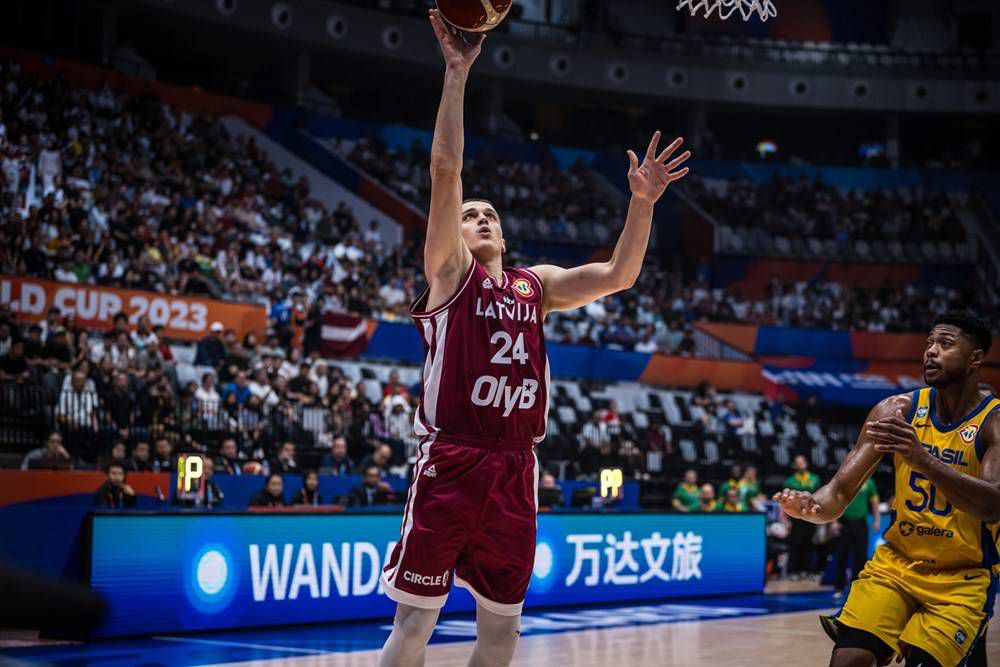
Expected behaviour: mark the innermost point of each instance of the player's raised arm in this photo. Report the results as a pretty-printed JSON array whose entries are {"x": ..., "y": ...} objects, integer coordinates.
[
  {"x": 446, "y": 257},
  {"x": 566, "y": 289},
  {"x": 830, "y": 500}
]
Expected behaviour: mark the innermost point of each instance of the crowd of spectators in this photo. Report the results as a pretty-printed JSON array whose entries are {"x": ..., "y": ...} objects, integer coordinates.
[
  {"x": 258, "y": 407},
  {"x": 810, "y": 208},
  {"x": 539, "y": 201},
  {"x": 657, "y": 315},
  {"x": 126, "y": 191}
]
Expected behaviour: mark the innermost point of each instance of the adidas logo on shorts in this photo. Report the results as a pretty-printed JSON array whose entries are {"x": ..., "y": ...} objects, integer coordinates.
[{"x": 431, "y": 471}]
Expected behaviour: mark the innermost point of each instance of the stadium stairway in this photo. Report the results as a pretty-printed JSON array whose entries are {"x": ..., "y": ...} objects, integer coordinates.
[{"x": 326, "y": 189}]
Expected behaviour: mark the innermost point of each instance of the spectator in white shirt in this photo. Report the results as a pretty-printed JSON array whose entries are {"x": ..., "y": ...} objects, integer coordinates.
[
  {"x": 49, "y": 166},
  {"x": 64, "y": 272},
  {"x": 207, "y": 396},
  {"x": 77, "y": 409},
  {"x": 372, "y": 234},
  {"x": 595, "y": 443},
  {"x": 143, "y": 336},
  {"x": 398, "y": 419},
  {"x": 392, "y": 293},
  {"x": 318, "y": 374}
]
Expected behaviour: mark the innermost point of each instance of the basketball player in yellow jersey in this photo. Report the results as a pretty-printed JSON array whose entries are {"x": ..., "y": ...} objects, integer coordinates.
[{"x": 928, "y": 592}]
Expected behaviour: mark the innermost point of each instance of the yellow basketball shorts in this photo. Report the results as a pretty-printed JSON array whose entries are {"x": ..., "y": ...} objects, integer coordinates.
[{"x": 942, "y": 612}]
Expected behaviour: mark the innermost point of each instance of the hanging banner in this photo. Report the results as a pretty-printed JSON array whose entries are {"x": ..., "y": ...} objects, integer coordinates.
[{"x": 95, "y": 307}]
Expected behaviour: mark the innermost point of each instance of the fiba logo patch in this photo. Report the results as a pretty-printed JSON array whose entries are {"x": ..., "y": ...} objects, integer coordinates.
[
  {"x": 921, "y": 412},
  {"x": 905, "y": 528},
  {"x": 524, "y": 288},
  {"x": 968, "y": 434},
  {"x": 960, "y": 637}
]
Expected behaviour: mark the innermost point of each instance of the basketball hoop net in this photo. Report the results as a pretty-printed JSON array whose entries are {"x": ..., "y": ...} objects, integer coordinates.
[{"x": 765, "y": 9}]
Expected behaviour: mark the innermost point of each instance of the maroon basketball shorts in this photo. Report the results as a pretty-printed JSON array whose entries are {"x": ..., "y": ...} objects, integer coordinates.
[{"x": 470, "y": 510}]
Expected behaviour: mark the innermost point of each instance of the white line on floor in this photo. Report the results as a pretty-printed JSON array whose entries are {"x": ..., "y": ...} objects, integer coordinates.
[{"x": 266, "y": 647}]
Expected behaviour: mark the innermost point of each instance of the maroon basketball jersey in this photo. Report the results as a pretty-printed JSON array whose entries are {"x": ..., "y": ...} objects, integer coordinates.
[{"x": 486, "y": 375}]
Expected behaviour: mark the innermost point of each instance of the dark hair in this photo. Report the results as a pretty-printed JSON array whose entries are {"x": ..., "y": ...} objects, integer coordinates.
[
  {"x": 976, "y": 328},
  {"x": 309, "y": 472},
  {"x": 114, "y": 464},
  {"x": 482, "y": 199}
]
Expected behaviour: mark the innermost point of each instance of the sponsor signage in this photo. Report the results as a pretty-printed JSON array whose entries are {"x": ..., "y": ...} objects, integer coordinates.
[
  {"x": 172, "y": 573},
  {"x": 95, "y": 307}
]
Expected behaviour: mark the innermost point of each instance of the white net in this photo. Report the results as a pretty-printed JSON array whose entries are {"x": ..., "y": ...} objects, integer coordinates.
[{"x": 765, "y": 9}]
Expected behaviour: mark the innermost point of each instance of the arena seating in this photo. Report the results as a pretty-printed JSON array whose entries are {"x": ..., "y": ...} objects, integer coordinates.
[{"x": 230, "y": 223}]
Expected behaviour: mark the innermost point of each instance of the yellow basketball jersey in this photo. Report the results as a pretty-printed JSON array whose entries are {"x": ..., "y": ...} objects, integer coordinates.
[{"x": 925, "y": 527}]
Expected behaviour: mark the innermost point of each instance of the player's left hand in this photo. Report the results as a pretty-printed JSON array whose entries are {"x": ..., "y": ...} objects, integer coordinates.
[
  {"x": 894, "y": 435},
  {"x": 649, "y": 180}
]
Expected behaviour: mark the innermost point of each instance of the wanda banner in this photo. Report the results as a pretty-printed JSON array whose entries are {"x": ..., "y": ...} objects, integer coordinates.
[{"x": 95, "y": 307}]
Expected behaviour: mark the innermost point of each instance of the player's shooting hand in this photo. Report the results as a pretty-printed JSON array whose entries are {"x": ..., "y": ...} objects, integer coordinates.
[
  {"x": 649, "y": 180},
  {"x": 797, "y": 504},
  {"x": 458, "y": 54},
  {"x": 894, "y": 435},
  {"x": 128, "y": 490}
]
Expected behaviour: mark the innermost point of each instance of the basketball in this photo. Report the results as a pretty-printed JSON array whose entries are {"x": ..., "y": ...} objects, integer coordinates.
[{"x": 474, "y": 15}]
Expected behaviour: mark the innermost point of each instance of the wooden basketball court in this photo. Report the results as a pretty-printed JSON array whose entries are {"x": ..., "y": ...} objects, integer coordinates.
[
  {"x": 779, "y": 629},
  {"x": 781, "y": 640}
]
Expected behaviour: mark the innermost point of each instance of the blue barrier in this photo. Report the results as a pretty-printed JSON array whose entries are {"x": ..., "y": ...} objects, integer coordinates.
[
  {"x": 401, "y": 342},
  {"x": 49, "y": 532},
  {"x": 628, "y": 503},
  {"x": 397, "y": 341},
  {"x": 596, "y": 363},
  {"x": 238, "y": 489},
  {"x": 199, "y": 572},
  {"x": 786, "y": 341}
]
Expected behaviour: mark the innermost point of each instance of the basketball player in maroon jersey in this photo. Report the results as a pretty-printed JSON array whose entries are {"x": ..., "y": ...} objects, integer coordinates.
[{"x": 472, "y": 504}]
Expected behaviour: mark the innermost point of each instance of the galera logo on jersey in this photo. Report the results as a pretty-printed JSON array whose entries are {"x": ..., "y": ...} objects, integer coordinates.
[{"x": 906, "y": 529}]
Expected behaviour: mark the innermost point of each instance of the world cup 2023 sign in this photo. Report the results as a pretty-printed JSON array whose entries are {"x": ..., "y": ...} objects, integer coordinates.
[{"x": 95, "y": 307}]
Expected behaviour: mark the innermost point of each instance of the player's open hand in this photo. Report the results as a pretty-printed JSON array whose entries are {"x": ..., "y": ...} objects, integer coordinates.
[
  {"x": 798, "y": 504},
  {"x": 894, "y": 435},
  {"x": 649, "y": 180},
  {"x": 458, "y": 54}
]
